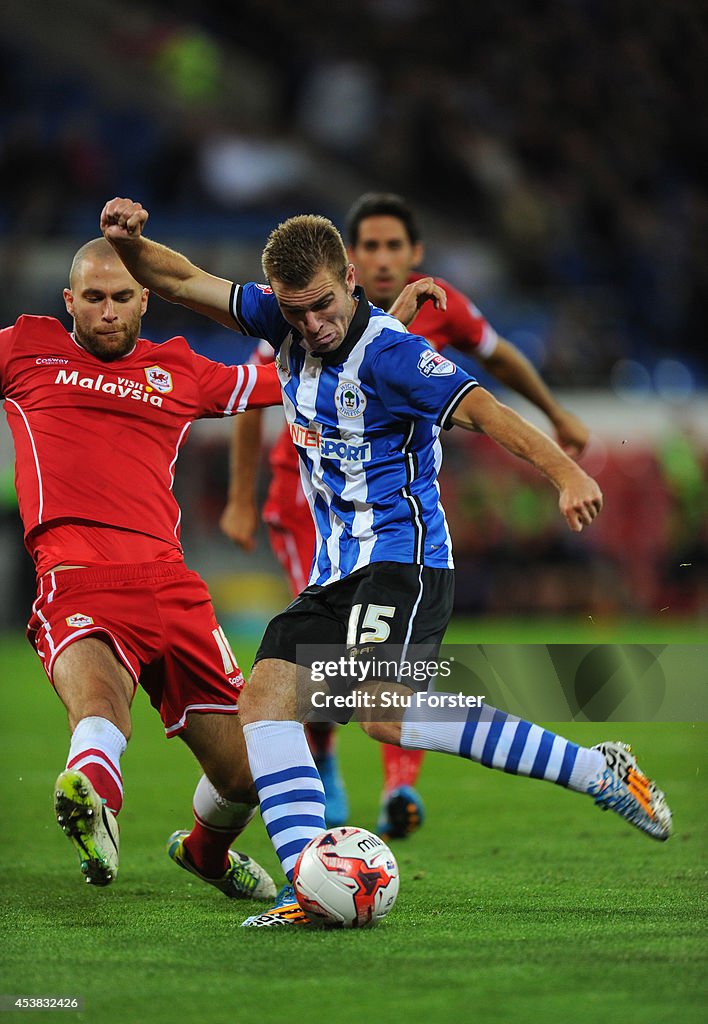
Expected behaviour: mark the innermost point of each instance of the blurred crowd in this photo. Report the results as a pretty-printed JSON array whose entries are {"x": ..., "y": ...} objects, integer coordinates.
[
  {"x": 568, "y": 133},
  {"x": 558, "y": 148},
  {"x": 568, "y": 136}
]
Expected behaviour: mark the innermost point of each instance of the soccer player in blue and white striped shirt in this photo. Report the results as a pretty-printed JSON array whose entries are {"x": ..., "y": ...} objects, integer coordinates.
[{"x": 365, "y": 403}]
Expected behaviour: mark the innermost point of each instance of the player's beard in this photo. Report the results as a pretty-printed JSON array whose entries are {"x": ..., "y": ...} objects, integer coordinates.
[{"x": 108, "y": 343}]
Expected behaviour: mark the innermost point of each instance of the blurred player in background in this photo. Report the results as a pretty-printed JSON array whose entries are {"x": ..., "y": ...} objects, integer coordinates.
[
  {"x": 366, "y": 403},
  {"x": 98, "y": 418},
  {"x": 384, "y": 243}
]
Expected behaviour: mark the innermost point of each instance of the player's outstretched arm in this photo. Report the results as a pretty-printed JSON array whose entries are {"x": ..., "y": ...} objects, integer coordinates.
[
  {"x": 580, "y": 498},
  {"x": 239, "y": 520},
  {"x": 512, "y": 368},
  {"x": 162, "y": 270}
]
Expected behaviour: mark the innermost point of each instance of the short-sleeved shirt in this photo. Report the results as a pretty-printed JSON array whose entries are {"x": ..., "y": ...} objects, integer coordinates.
[
  {"x": 96, "y": 442},
  {"x": 365, "y": 420},
  {"x": 462, "y": 324}
]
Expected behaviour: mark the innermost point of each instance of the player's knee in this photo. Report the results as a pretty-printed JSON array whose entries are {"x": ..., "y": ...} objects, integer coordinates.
[
  {"x": 269, "y": 694},
  {"x": 251, "y": 706},
  {"x": 383, "y": 732}
]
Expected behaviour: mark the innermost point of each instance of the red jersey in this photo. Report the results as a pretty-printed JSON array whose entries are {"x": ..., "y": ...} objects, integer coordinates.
[
  {"x": 461, "y": 325},
  {"x": 96, "y": 443}
]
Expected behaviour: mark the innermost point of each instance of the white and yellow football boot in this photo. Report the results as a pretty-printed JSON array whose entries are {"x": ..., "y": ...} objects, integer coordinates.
[{"x": 90, "y": 826}]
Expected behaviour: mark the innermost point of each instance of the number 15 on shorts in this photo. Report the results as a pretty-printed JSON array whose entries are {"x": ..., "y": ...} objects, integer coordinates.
[{"x": 374, "y": 627}]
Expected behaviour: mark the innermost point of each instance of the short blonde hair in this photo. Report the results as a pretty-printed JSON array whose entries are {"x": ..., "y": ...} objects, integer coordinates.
[{"x": 302, "y": 246}]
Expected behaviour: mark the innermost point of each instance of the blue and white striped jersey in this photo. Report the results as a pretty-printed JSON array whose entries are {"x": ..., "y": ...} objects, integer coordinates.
[{"x": 365, "y": 420}]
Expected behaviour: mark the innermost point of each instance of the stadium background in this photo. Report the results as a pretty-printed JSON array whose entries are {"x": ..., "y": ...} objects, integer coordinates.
[{"x": 557, "y": 154}]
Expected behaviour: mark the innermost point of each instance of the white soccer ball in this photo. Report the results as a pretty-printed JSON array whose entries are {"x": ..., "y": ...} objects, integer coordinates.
[{"x": 346, "y": 878}]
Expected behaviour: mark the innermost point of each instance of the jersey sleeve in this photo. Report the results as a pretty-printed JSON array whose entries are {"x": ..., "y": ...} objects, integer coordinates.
[
  {"x": 228, "y": 390},
  {"x": 416, "y": 382},
  {"x": 255, "y": 309},
  {"x": 470, "y": 331}
]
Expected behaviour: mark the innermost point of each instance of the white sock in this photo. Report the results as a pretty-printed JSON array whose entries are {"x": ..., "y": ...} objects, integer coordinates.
[
  {"x": 214, "y": 811},
  {"x": 499, "y": 740},
  {"x": 588, "y": 765},
  {"x": 289, "y": 788}
]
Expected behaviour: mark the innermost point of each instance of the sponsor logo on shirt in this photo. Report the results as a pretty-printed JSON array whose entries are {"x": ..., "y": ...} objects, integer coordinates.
[
  {"x": 78, "y": 620},
  {"x": 159, "y": 379},
  {"x": 349, "y": 399},
  {"x": 329, "y": 447},
  {"x": 50, "y": 361},
  {"x": 122, "y": 388},
  {"x": 432, "y": 364},
  {"x": 265, "y": 288}
]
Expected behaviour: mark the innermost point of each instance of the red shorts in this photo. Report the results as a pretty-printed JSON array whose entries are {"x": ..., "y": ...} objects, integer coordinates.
[
  {"x": 290, "y": 528},
  {"x": 159, "y": 620}
]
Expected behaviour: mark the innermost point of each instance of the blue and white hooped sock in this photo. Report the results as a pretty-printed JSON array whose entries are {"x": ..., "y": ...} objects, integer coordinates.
[
  {"x": 498, "y": 740},
  {"x": 290, "y": 790}
]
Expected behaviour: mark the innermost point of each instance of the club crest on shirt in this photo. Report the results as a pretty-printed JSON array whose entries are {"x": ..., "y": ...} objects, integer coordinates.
[
  {"x": 78, "y": 620},
  {"x": 349, "y": 399},
  {"x": 432, "y": 364},
  {"x": 159, "y": 379}
]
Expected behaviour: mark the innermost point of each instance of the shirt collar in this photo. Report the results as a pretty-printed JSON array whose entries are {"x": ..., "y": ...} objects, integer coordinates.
[{"x": 359, "y": 323}]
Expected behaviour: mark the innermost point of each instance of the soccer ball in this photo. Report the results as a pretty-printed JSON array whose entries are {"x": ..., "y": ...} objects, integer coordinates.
[{"x": 346, "y": 878}]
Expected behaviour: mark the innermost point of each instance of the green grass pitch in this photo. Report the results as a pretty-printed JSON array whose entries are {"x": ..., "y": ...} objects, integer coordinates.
[{"x": 519, "y": 901}]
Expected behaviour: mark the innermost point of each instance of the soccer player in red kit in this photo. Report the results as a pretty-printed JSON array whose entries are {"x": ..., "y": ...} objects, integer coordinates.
[
  {"x": 98, "y": 417},
  {"x": 384, "y": 243}
]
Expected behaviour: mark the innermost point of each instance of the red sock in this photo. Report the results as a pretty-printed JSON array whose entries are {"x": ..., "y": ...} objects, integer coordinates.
[
  {"x": 401, "y": 767},
  {"x": 320, "y": 738},
  {"x": 217, "y": 822},
  {"x": 96, "y": 749},
  {"x": 102, "y": 775},
  {"x": 208, "y": 849}
]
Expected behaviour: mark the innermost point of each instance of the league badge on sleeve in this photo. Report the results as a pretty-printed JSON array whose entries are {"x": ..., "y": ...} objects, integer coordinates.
[
  {"x": 349, "y": 399},
  {"x": 432, "y": 364},
  {"x": 159, "y": 379}
]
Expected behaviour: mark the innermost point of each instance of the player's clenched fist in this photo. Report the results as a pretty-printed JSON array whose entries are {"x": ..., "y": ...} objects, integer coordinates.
[
  {"x": 121, "y": 218},
  {"x": 580, "y": 503}
]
